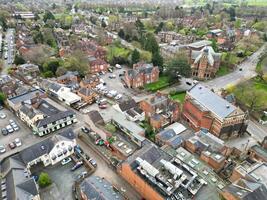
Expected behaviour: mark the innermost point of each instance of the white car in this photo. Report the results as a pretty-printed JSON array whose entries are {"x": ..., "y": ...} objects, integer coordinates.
[
  {"x": 11, "y": 121},
  {"x": 2, "y": 149},
  {"x": 2, "y": 115},
  {"x": 65, "y": 161},
  {"x": 118, "y": 66},
  {"x": 119, "y": 96},
  {"x": 18, "y": 142},
  {"x": 9, "y": 129}
]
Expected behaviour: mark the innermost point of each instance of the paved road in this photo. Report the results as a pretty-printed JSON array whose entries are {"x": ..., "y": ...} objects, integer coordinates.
[
  {"x": 256, "y": 130},
  {"x": 9, "y": 49},
  {"x": 248, "y": 71}
]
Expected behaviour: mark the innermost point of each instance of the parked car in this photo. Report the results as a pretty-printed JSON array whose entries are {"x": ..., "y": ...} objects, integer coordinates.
[
  {"x": 118, "y": 66},
  {"x": 2, "y": 149},
  {"x": 11, "y": 121},
  {"x": 18, "y": 142},
  {"x": 112, "y": 76},
  {"x": 188, "y": 83},
  {"x": 103, "y": 106},
  {"x": 12, "y": 145},
  {"x": 1, "y": 107},
  {"x": 4, "y": 131},
  {"x": 119, "y": 96},
  {"x": 110, "y": 70},
  {"x": 93, "y": 162},
  {"x": 82, "y": 175},
  {"x": 9, "y": 129},
  {"x": 65, "y": 161},
  {"x": 77, "y": 165},
  {"x": 85, "y": 129},
  {"x": 2, "y": 115}
]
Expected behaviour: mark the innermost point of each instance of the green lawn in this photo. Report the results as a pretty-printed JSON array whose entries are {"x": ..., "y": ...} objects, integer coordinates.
[
  {"x": 262, "y": 65},
  {"x": 257, "y": 2},
  {"x": 253, "y": 87},
  {"x": 179, "y": 97},
  {"x": 223, "y": 70},
  {"x": 162, "y": 83},
  {"x": 116, "y": 51}
]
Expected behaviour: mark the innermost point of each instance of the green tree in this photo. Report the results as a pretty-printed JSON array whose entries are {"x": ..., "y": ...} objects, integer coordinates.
[
  {"x": 61, "y": 71},
  {"x": 51, "y": 65},
  {"x": 178, "y": 66},
  {"x": 159, "y": 27},
  {"x": 2, "y": 97},
  {"x": 232, "y": 13},
  {"x": 48, "y": 74},
  {"x": 121, "y": 34},
  {"x": 214, "y": 45},
  {"x": 38, "y": 37},
  {"x": 150, "y": 43},
  {"x": 135, "y": 56},
  {"x": 48, "y": 15},
  {"x": 44, "y": 180},
  {"x": 157, "y": 59},
  {"x": 77, "y": 61},
  {"x": 18, "y": 60}
]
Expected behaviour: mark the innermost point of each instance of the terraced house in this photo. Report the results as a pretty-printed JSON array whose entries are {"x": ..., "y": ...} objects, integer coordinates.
[
  {"x": 205, "y": 109},
  {"x": 37, "y": 111}
]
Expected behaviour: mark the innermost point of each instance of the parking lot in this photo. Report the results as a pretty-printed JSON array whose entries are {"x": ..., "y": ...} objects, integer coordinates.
[
  {"x": 62, "y": 178},
  {"x": 24, "y": 133}
]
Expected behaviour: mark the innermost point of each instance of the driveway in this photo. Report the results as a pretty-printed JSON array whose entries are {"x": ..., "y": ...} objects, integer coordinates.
[{"x": 103, "y": 170}]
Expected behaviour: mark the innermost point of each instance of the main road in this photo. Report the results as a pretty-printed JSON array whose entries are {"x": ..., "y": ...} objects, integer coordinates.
[{"x": 243, "y": 72}]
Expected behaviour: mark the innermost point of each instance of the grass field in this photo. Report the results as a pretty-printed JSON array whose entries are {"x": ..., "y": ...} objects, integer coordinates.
[
  {"x": 162, "y": 83},
  {"x": 257, "y": 2},
  {"x": 253, "y": 87},
  {"x": 179, "y": 97},
  {"x": 223, "y": 70}
]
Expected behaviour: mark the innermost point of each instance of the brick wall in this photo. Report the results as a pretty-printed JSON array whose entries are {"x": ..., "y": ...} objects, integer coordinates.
[{"x": 144, "y": 189}]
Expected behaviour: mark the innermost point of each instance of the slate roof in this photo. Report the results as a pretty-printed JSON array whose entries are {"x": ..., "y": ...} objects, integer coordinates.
[
  {"x": 28, "y": 111},
  {"x": 68, "y": 75},
  {"x": 95, "y": 187},
  {"x": 206, "y": 52},
  {"x": 43, "y": 147},
  {"x": 54, "y": 118},
  {"x": 211, "y": 101},
  {"x": 246, "y": 190},
  {"x": 166, "y": 134},
  {"x": 25, "y": 97},
  {"x": 127, "y": 105},
  {"x": 140, "y": 69}
]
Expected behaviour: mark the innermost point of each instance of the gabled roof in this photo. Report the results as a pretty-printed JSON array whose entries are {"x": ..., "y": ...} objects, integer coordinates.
[
  {"x": 207, "y": 52},
  {"x": 211, "y": 101},
  {"x": 127, "y": 105}
]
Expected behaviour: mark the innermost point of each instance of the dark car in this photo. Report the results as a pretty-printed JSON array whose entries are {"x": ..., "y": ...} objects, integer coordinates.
[
  {"x": 12, "y": 145},
  {"x": 188, "y": 83},
  {"x": 77, "y": 165},
  {"x": 240, "y": 69},
  {"x": 93, "y": 162},
  {"x": 85, "y": 129},
  {"x": 4, "y": 131}
]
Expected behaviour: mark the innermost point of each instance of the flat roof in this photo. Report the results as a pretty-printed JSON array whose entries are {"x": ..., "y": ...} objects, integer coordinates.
[
  {"x": 177, "y": 127},
  {"x": 200, "y": 44},
  {"x": 129, "y": 125}
]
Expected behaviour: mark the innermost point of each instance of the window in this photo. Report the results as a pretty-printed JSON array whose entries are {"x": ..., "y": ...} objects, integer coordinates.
[{"x": 44, "y": 126}]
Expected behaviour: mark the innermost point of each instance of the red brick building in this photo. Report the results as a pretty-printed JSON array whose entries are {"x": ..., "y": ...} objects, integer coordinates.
[
  {"x": 160, "y": 110},
  {"x": 97, "y": 65},
  {"x": 90, "y": 82},
  {"x": 141, "y": 74},
  {"x": 204, "y": 63},
  {"x": 205, "y": 109},
  {"x": 91, "y": 48}
]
